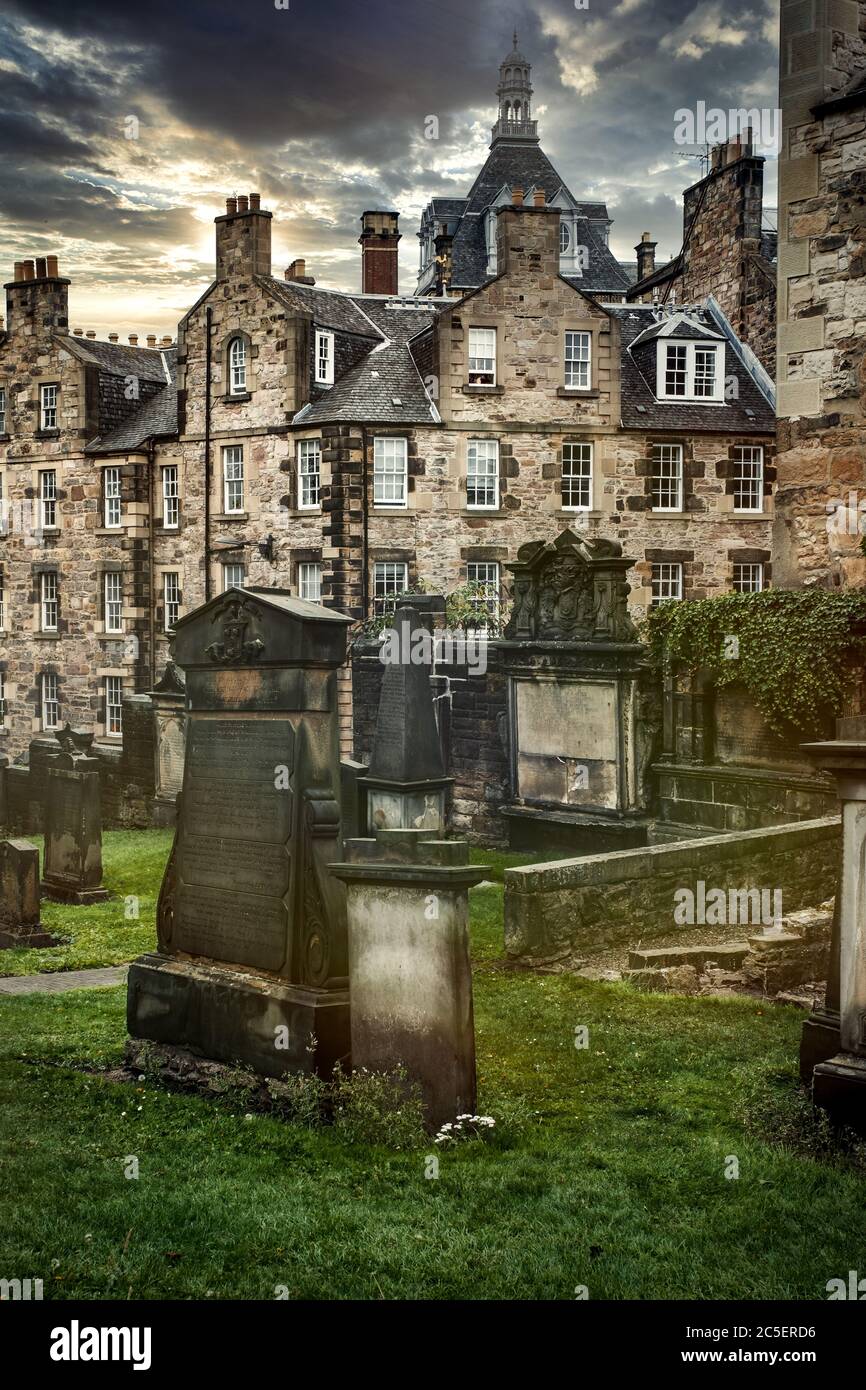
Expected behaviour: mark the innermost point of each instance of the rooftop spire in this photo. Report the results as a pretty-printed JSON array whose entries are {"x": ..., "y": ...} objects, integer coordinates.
[{"x": 515, "y": 96}]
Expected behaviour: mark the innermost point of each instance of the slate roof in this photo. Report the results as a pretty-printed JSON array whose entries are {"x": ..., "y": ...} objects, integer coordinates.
[
  {"x": 749, "y": 413},
  {"x": 526, "y": 166},
  {"x": 117, "y": 358},
  {"x": 329, "y": 308},
  {"x": 385, "y": 387},
  {"x": 154, "y": 417}
]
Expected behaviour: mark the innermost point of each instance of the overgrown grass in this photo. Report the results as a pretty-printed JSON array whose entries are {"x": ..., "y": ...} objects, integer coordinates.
[{"x": 103, "y": 934}]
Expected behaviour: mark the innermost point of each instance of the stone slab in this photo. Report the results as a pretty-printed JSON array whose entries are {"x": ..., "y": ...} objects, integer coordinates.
[
  {"x": 62, "y": 981},
  {"x": 731, "y": 953}
]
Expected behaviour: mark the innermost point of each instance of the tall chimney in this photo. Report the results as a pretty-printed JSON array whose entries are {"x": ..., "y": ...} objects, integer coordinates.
[
  {"x": 243, "y": 239},
  {"x": 378, "y": 240},
  {"x": 646, "y": 256},
  {"x": 37, "y": 300}
]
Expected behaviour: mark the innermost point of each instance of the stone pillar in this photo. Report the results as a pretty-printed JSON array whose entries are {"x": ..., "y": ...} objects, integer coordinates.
[
  {"x": 73, "y": 823},
  {"x": 839, "y": 1082},
  {"x": 410, "y": 981}
]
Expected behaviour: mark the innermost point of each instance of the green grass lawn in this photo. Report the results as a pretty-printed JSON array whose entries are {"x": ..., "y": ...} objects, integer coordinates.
[{"x": 606, "y": 1168}]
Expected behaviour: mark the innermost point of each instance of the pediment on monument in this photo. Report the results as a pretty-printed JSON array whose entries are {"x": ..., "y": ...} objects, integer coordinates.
[{"x": 571, "y": 589}]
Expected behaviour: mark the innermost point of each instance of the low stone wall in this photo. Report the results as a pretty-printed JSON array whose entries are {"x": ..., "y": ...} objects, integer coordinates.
[
  {"x": 608, "y": 900},
  {"x": 738, "y": 798}
]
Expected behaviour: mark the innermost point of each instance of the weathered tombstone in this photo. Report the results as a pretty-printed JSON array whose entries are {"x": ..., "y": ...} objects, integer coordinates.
[
  {"x": 574, "y": 669},
  {"x": 19, "y": 896},
  {"x": 72, "y": 870},
  {"x": 168, "y": 698},
  {"x": 406, "y": 780},
  {"x": 251, "y": 964},
  {"x": 839, "y": 1080},
  {"x": 409, "y": 963}
]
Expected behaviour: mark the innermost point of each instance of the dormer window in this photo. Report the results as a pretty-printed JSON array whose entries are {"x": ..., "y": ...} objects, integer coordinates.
[
  {"x": 324, "y": 358},
  {"x": 688, "y": 371},
  {"x": 237, "y": 367},
  {"x": 564, "y": 238}
]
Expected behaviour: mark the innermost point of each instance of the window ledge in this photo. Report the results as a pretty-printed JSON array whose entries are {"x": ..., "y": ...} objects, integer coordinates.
[
  {"x": 476, "y": 389},
  {"x": 110, "y": 531},
  {"x": 236, "y": 398},
  {"x": 577, "y": 392},
  {"x": 229, "y": 516},
  {"x": 47, "y": 636},
  {"x": 47, "y": 434}
]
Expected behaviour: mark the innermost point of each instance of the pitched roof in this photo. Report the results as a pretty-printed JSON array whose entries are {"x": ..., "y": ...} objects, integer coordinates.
[
  {"x": 329, "y": 308},
  {"x": 156, "y": 416},
  {"x": 117, "y": 358},
  {"x": 749, "y": 412}
]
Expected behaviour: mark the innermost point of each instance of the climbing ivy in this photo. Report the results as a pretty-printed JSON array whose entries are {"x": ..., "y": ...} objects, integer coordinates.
[{"x": 793, "y": 650}]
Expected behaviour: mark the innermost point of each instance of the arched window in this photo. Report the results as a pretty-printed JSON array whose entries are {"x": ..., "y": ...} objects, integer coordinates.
[
  {"x": 564, "y": 237},
  {"x": 237, "y": 366},
  {"x": 517, "y": 111}
]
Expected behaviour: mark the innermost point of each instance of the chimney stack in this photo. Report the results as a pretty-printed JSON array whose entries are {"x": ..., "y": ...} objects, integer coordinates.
[
  {"x": 243, "y": 239},
  {"x": 646, "y": 256},
  {"x": 378, "y": 240},
  {"x": 37, "y": 299}
]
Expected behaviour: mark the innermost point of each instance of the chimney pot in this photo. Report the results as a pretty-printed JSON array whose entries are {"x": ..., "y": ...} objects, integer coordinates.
[
  {"x": 78, "y": 333},
  {"x": 18, "y": 272},
  {"x": 255, "y": 202},
  {"x": 517, "y": 197},
  {"x": 41, "y": 268},
  {"x": 133, "y": 340},
  {"x": 538, "y": 197},
  {"x": 297, "y": 269},
  {"x": 29, "y": 270},
  {"x": 52, "y": 266},
  {"x": 231, "y": 205},
  {"x": 167, "y": 340},
  {"x": 243, "y": 203},
  {"x": 113, "y": 337},
  {"x": 91, "y": 333},
  {"x": 151, "y": 340}
]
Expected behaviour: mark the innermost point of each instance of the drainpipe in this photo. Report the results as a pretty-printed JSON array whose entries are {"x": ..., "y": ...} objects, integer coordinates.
[
  {"x": 208, "y": 316},
  {"x": 365, "y": 562},
  {"x": 151, "y": 503}
]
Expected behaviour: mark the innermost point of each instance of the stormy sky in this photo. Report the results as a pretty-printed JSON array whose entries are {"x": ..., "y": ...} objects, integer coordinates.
[{"x": 124, "y": 126}]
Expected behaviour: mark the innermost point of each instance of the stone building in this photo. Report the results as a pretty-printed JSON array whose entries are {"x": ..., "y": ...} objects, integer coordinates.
[
  {"x": 822, "y": 295},
  {"x": 350, "y": 446},
  {"x": 726, "y": 252}
]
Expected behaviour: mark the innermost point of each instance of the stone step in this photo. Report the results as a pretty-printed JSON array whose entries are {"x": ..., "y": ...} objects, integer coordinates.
[{"x": 731, "y": 953}]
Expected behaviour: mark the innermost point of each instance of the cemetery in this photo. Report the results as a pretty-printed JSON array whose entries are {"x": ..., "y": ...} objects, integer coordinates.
[{"x": 368, "y": 997}]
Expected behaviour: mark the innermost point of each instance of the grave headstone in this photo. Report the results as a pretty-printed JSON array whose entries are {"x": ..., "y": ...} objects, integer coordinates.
[
  {"x": 409, "y": 963},
  {"x": 168, "y": 698},
  {"x": 72, "y": 870},
  {"x": 252, "y": 964},
  {"x": 406, "y": 782},
  {"x": 19, "y": 897}
]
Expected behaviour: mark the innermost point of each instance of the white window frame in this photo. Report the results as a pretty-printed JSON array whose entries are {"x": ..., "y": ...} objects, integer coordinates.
[
  {"x": 749, "y": 457},
  {"x": 687, "y": 349},
  {"x": 3, "y": 408},
  {"x": 48, "y": 499},
  {"x": 667, "y": 455},
  {"x": 324, "y": 358},
  {"x": 480, "y": 455},
  {"x": 578, "y": 360},
  {"x": 491, "y": 581},
  {"x": 112, "y": 517},
  {"x": 577, "y": 468},
  {"x": 114, "y": 706},
  {"x": 666, "y": 575},
  {"x": 48, "y": 397},
  {"x": 170, "y": 496},
  {"x": 170, "y": 599},
  {"x": 391, "y": 471},
  {"x": 744, "y": 583},
  {"x": 49, "y": 601},
  {"x": 112, "y": 589},
  {"x": 481, "y": 357},
  {"x": 237, "y": 360},
  {"x": 233, "y": 459},
  {"x": 394, "y": 575},
  {"x": 309, "y": 475},
  {"x": 234, "y": 575},
  {"x": 310, "y": 581},
  {"x": 49, "y": 700}
]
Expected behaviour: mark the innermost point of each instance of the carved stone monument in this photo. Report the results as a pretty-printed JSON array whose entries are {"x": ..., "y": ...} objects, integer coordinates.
[
  {"x": 252, "y": 964},
  {"x": 409, "y": 963},
  {"x": 405, "y": 781},
  {"x": 834, "y": 1039},
  {"x": 19, "y": 896},
  {"x": 168, "y": 698},
  {"x": 575, "y": 666},
  {"x": 72, "y": 870}
]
